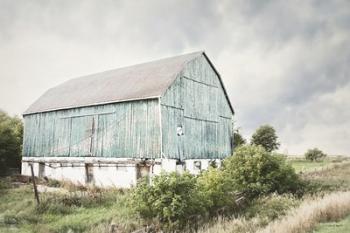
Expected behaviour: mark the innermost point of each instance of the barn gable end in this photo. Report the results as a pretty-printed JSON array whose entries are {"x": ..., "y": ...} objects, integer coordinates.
[{"x": 197, "y": 105}]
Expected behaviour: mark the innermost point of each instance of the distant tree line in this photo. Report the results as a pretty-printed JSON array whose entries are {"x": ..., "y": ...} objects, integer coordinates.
[{"x": 266, "y": 137}]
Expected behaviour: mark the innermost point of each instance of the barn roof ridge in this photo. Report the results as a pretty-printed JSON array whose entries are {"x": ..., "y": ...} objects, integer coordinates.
[{"x": 135, "y": 65}]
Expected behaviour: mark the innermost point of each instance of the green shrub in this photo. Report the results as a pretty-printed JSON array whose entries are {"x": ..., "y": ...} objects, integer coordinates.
[
  {"x": 53, "y": 183},
  {"x": 181, "y": 200},
  {"x": 314, "y": 155},
  {"x": 4, "y": 184},
  {"x": 271, "y": 207},
  {"x": 254, "y": 171},
  {"x": 173, "y": 199},
  {"x": 217, "y": 190}
]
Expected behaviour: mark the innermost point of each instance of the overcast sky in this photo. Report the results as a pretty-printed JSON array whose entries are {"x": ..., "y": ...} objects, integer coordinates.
[{"x": 283, "y": 63}]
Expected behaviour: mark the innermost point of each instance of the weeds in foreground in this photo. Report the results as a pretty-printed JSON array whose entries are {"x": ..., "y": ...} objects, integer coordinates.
[
  {"x": 300, "y": 219},
  {"x": 91, "y": 209},
  {"x": 258, "y": 214},
  {"x": 311, "y": 212}
]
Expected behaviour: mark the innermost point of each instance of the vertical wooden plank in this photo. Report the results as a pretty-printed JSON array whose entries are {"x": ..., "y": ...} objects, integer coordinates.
[{"x": 203, "y": 102}]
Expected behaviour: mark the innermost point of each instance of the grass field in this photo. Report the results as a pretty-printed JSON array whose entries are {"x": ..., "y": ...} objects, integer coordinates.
[
  {"x": 334, "y": 227},
  {"x": 337, "y": 178},
  {"x": 302, "y": 165},
  {"x": 62, "y": 213},
  {"x": 95, "y": 210}
]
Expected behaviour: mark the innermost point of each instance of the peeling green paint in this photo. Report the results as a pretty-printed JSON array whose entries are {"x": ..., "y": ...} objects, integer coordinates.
[{"x": 122, "y": 130}]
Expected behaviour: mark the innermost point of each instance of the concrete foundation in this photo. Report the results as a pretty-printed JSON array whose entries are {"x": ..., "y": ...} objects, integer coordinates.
[{"x": 108, "y": 172}]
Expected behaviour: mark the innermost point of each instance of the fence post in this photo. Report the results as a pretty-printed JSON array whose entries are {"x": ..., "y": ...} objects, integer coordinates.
[{"x": 34, "y": 185}]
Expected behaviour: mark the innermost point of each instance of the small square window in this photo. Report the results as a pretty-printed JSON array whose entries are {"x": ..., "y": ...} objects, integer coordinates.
[
  {"x": 89, "y": 173},
  {"x": 197, "y": 165}
]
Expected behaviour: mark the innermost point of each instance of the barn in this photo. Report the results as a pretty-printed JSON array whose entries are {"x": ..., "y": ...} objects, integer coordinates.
[{"x": 114, "y": 127}]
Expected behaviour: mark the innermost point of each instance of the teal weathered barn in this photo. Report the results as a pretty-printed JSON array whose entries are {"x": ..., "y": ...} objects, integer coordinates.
[{"x": 111, "y": 128}]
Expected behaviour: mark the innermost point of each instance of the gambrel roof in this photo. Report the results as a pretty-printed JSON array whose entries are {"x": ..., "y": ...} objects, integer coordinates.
[{"x": 143, "y": 81}]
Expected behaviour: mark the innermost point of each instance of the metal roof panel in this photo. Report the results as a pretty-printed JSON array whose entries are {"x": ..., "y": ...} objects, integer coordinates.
[{"x": 143, "y": 81}]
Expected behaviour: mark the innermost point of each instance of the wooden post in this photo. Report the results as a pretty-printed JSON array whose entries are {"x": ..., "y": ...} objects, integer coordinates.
[{"x": 34, "y": 185}]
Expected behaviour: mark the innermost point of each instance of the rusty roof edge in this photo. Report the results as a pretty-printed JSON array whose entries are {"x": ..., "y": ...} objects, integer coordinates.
[{"x": 90, "y": 105}]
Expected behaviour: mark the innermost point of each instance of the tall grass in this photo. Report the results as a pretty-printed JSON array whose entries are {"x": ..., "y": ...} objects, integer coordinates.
[
  {"x": 311, "y": 212},
  {"x": 234, "y": 225},
  {"x": 258, "y": 214},
  {"x": 301, "y": 219}
]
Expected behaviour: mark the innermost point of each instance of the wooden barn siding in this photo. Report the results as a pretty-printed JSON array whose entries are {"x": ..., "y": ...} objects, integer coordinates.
[
  {"x": 196, "y": 101},
  {"x": 122, "y": 130}
]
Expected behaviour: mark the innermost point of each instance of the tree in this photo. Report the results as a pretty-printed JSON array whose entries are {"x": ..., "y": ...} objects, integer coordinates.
[
  {"x": 266, "y": 137},
  {"x": 238, "y": 139},
  {"x": 11, "y": 134},
  {"x": 255, "y": 171},
  {"x": 314, "y": 154}
]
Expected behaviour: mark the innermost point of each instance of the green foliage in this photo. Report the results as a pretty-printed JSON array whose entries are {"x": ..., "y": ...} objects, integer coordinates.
[
  {"x": 266, "y": 137},
  {"x": 217, "y": 190},
  {"x": 271, "y": 207},
  {"x": 11, "y": 133},
  {"x": 173, "y": 199},
  {"x": 255, "y": 171},
  {"x": 315, "y": 155},
  {"x": 238, "y": 139},
  {"x": 4, "y": 184},
  {"x": 53, "y": 183}
]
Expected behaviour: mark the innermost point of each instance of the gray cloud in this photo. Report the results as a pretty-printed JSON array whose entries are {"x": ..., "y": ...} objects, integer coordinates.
[{"x": 284, "y": 63}]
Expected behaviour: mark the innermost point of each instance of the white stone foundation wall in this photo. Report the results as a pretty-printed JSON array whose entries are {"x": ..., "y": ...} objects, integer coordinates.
[{"x": 107, "y": 172}]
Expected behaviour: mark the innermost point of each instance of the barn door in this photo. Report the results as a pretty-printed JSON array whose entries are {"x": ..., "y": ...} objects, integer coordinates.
[
  {"x": 106, "y": 135},
  {"x": 82, "y": 136},
  {"x": 62, "y": 137}
]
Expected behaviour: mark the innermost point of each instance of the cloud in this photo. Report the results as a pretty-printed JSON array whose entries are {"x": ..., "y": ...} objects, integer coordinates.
[{"x": 283, "y": 63}]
